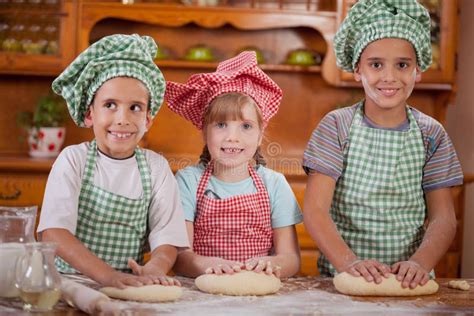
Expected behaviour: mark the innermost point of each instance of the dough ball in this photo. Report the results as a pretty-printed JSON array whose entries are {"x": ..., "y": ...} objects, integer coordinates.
[
  {"x": 239, "y": 284},
  {"x": 350, "y": 285},
  {"x": 459, "y": 285},
  {"x": 146, "y": 293}
]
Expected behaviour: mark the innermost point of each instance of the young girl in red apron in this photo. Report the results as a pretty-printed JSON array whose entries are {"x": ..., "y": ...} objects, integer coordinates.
[{"x": 240, "y": 215}]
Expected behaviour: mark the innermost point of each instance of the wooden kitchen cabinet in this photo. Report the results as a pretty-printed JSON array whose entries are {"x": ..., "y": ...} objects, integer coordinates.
[
  {"x": 22, "y": 189},
  {"x": 309, "y": 92},
  {"x": 36, "y": 38},
  {"x": 226, "y": 30}
]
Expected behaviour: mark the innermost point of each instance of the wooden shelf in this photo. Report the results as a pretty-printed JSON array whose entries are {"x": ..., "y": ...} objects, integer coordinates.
[
  {"x": 186, "y": 64},
  {"x": 33, "y": 12},
  {"x": 30, "y": 64},
  {"x": 288, "y": 6},
  {"x": 205, "y": 17},
  {"x": 291, "y": 68},
  {"x": 16, "y": 162}
]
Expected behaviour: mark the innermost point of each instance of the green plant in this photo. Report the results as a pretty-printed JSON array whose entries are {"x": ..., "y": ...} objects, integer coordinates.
[{"x": 50, "y": 111}]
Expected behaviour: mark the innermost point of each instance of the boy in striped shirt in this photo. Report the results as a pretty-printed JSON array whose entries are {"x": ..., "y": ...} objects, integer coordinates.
[{"x": 379, "y": 170}]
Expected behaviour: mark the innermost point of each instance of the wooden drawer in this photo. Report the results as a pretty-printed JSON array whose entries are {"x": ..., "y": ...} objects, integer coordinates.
[{"x": 22, "y": 190}]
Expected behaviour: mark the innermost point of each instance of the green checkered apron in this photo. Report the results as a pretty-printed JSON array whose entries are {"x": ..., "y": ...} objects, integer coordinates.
[
  {"x": 112, "y": 226},
  {"x": 378, "y": 205}
]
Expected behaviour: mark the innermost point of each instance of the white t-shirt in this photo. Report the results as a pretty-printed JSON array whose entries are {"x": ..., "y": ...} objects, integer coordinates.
[{"x": 122, "y": 177}]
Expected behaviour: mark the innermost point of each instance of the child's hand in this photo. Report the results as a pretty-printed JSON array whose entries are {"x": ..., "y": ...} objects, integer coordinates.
[
  {"x": 224, "y": 267},
  {"x": 149, "y": 271},
  {"x": 122, "y": 280},
  {"x": 370, "y": 269},
  {"x": 410, "y": 273},
  {"x": 259, "y": 265},
  {"x": 164, "y": 280}
]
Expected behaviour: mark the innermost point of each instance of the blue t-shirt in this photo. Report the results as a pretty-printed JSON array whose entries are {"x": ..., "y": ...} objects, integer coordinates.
[{"x": 284, "y": 207}]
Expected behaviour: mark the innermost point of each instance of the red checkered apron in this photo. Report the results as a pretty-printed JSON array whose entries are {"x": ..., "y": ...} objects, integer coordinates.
[{"x": 236, "y": 228}]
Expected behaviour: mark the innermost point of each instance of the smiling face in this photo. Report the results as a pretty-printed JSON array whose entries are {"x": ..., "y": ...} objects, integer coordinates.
[
  {"x": 119, "y": 116},
  {"x": 233, "y": 133},
  {"x": 388, "y": 71}
]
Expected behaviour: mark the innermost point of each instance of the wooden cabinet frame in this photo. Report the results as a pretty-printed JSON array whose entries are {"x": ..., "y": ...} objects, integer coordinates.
[
  {"x": 308, "y": 96},
  {"x": 91, "y": 13},
  {"x": 245, "y": 19}
]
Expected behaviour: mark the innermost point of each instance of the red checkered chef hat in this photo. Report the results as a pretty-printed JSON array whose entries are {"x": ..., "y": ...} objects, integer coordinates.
[{"x": 238, "y": 74}]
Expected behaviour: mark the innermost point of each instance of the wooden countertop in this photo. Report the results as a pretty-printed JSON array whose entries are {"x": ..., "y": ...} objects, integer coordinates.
[{"x": 301, "y": 296}]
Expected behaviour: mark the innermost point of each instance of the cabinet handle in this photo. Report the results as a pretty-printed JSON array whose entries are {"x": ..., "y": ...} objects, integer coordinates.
[{"x": 13, "y": 196}]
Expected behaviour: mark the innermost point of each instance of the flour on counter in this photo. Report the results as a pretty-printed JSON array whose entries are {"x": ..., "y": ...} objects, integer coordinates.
[{"x": 298, "y": 296}]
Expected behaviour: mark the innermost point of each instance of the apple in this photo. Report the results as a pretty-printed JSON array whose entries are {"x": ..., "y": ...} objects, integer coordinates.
[
  {"x": 303, "y": 57},
  {"x": 199, "y": 53}
]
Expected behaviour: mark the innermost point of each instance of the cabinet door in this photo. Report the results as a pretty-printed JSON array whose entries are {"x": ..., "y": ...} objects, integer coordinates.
[
  {"x": 22, "y": 190},
  {"x": 443, "y": 39},
  {"x": 36, "y": 39}
]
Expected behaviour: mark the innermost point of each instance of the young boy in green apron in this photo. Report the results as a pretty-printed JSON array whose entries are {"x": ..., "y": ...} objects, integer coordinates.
[
  {"x": 106, "y": 198},
  {"x": 378, "y": 169}
]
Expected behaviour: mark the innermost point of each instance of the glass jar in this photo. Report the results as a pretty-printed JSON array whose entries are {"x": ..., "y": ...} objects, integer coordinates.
[
  {"x": 12, "y": 43},
  {"x": 34, "y": 4},
  {"x": 52, "y": 4},
  {"x": 16, "y": 228},
  {"x": 4, "y": 29},
  {"x": 32, "y": 42},
  {"x": 50, "y": 36},
  {"x": 37, "y": 279},
  {"x": 17, "y": 224}
]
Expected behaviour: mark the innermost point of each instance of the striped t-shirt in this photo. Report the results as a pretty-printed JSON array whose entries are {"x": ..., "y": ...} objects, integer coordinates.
[{"x": 324, "y": 152}]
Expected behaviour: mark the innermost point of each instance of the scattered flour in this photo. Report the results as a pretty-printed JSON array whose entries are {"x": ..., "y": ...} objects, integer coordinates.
[{"x": 298, "y": 296}]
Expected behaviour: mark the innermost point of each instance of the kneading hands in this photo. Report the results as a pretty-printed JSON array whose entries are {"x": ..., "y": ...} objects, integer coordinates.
[
  {"x": 86, "y": 262},
  {"x": 283, "y": 262}
]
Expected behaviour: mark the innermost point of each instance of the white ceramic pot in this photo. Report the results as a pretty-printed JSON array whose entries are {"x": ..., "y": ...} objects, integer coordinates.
[{"x": 46, "y": 142}]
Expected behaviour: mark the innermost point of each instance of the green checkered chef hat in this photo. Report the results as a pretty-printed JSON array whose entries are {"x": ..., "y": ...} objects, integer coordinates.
[
  {"x": 371, "y": 20},
  {"x": 112, "y": 56}
]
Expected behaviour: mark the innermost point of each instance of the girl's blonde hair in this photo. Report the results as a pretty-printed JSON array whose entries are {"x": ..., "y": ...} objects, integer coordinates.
[{"x": 225, "y": 107}]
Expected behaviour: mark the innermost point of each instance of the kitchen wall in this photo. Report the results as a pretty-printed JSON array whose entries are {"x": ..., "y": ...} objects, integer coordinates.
[{"x": 460, "y": 125}]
